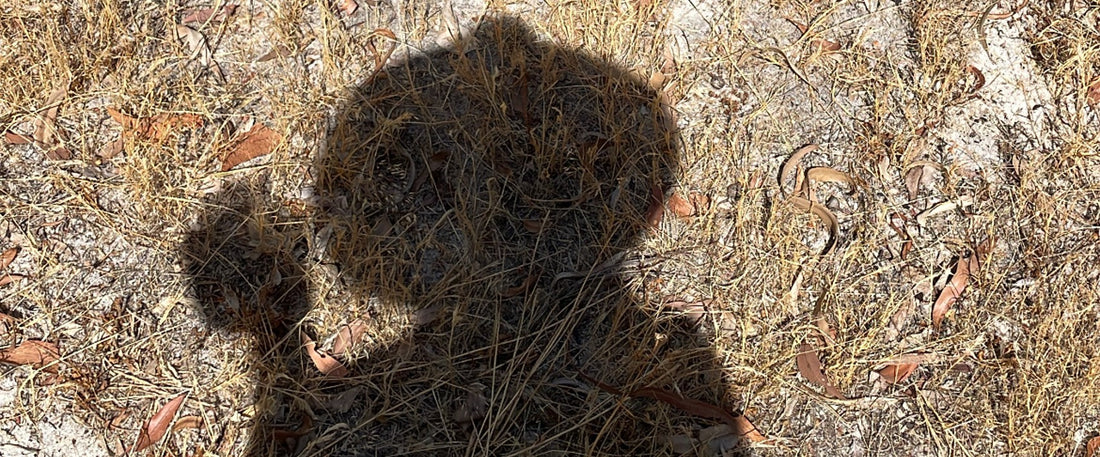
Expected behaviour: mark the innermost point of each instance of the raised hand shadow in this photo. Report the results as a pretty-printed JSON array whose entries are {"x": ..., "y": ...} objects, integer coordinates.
[{"x": 480, "y": 208}]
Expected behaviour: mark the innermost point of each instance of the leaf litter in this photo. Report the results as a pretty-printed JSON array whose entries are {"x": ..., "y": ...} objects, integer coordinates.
[
  {"x": 809, "y": 366},
  {"x": 36, "y": 353},
  {"x": 157, "y": 426},
  {"x": 258, "y": 141}
]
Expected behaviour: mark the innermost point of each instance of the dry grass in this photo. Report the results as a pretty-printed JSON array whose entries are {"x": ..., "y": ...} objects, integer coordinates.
[{"x": 481, "y": 204}]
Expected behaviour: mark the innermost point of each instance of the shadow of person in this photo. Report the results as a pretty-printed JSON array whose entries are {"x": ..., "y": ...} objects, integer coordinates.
[{"x": 480, "y": 212}]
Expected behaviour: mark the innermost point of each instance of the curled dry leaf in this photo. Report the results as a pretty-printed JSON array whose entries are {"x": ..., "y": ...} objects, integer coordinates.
[
  {"x": 825, "y": 46},
  {"x": 8, "y": 257},
  {"x": 155, "y": 428},
  {"x": 1092, "y": 446},
  {"x": 809, "y": 365},
  {"x": 10, "y": 278},
  {"x": 35, "y": 353},
  {"x": 347, "y": 336},
  {"x": 327, "y": 365},
  {"x": 979, "y": 78},
  {"x": 14, "y": 138},
  {"x": 1093, "y": 95},
  {"x": 258, "y": 141},
  {"x": 46, "y": 124},
  {"x": 530, "y": 281},
  {"x": 680, "y": 206},
  {"x": 196, "y": 43},
  {"x": 474, "y": 408},
  {"x": 896, "y": 373},
  {"x": 954, "y": 288},
  {"x": 348, "y": 7},
  {"x": 187, "y": 422},
  {"x": 826, "y": 216},
  {"x": 789, "y": 167},
  {"x": 206, "y": 14},
  {"x": 656, "y": 210}
]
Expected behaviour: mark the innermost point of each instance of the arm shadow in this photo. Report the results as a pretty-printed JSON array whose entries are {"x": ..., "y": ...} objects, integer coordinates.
[{"x": 482, "y": 208}]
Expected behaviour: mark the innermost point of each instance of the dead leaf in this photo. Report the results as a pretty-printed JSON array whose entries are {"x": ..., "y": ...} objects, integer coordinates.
[
  {"x": 283, "y": 434},
  {"x": 35, "y": 353},
  {"x": 1092, "y": 446},
  {"x": 680, "y": 206},
  {"x": 896, "y": 373},
  {"x": 207, "y": 14},
  {"x": 327, "y": 365},
  {"x": 912, "y": 181},
  {"x": 791, "y": 165},
  {"x": 347, "y": 336},
  {"x": 157, "y": 129},
  {"x": 474, "y": 408},
  {"x": 278, "y": 51},
  {"x": 1093, "y": 95},
  {"x": 953, "y": 290},
  {"x": 693, "y": 311},
  {"x": 533, "y": 225},
  {"x": 8, "y": 257},
  {"x": 656, "y": 210},
  {"x": 10, "y": 278},
  {"x": 187, "y": 422},
  {"x": 200, "y": 49},
  {"x": 979, "y": 82},
  {"x": 825, "y": 46},
  {"x": 530, "y": 281},
  {"x": 826, "y": 216},
  {"x": 257, "y": 142},
  {"x": 426, "y": 316},
  {"x": 809, "y": 365},
  {"x": 116, "y": 422},
  {"x": 348, "y": 7},
  {"x": 155, "y": 428},
  {"x": 46, "y": 125},
  {"x": 15, "y": 138}
]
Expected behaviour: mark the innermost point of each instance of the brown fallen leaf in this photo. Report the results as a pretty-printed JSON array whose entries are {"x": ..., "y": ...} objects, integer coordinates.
[
  {"x": 283, "y": 434},
  {"x": 187, "y": 422},
  {"x": 896, "y": 373},
  {"x": 475, "y": 407},
  {"x": 46, "y": 124},
  {"x": 1093, "y": 95},
  {"x": 533, "y": 225},
  {"x": 14, "y": 138},
  {"x": 206, "y": 14},
  {"x": 826, "y": 216},
  {"x": 327, "y": 365},
  {"x": 809, "y": 365},
  {"x": 157, "y": 129},
  {"x": 693, "y": 311},
  {"x": 787, "y": 171},
  {"x": 347, "y": 336},
  {"x": 258, "y": 141},
  {"x": 426, "y": 315},
  {"x": 35, "y": 353},
  {"x": 200, "y": 49},
  {"x": 10, "y": 278},
  {"x": 156, "y": 427},
  {"x": 954, "y": 289},
  {"x": 825, "y": 46},
  {"x": 1092, "y": 446},
  {"x": 656, "y": 210},
  {"x": 530, "y": 281},
  {"x": 348, "y": 7},
  {"x": 680, "y": 206},
  {"x": 979, "y": 78},
  {"x": 8, "y": 257}
]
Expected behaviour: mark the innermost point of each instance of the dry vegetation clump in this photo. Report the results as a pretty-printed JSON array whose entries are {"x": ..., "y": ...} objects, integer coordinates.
[{"x": 592, "y": 228}]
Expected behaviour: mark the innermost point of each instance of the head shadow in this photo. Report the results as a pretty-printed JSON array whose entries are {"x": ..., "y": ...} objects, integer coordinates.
[{"x": 485, "y": 201}]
